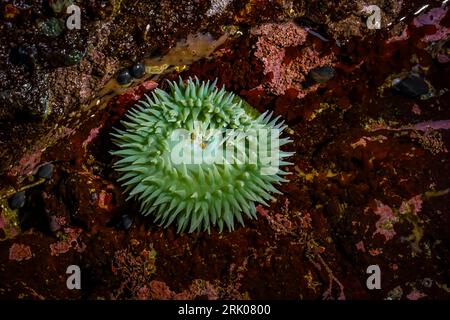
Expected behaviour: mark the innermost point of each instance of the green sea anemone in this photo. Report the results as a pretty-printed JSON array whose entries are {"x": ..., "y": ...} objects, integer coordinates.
[{"x": 199, "y": 156}]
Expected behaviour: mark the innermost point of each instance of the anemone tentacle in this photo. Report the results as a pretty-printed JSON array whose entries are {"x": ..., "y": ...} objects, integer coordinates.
[{"x": 199, "y": 194}]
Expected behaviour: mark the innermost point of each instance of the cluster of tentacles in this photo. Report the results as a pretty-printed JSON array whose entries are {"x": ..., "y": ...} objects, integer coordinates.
[{"x": 197, "y": 193}]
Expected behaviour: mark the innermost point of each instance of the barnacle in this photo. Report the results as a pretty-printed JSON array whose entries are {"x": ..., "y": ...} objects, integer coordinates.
[{"x": 199, "y": 156}]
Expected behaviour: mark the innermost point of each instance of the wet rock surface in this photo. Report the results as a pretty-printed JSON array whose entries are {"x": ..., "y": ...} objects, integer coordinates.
[
  {"x": 412, "y": 86},
  {"x": 321, "y": 74},
  {"x": 367, "y": 185}
]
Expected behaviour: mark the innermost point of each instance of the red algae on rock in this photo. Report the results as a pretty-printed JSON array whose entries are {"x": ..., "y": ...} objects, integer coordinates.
[
  {"x": 199, "y": 288},
  {"x": 286, "y": 60},
  {"x": 368, "y": 185},
  {"x": 20, "y": 252},
  {"x": 70, "y": 240},
  {"x": 412, "y": 206},
  {"x": 432, "y": 18},
  {"x": 386, "y": 222}
]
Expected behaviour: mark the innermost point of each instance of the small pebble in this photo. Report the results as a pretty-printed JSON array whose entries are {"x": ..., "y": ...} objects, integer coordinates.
[
  {"x": 322, "y": 74},
  {"x": 123, "y": 77},
  {"x": 412, "y": 86},
  {"x": 137, "y": 70},
  {"x": 17, "y": 201},
  {"x": 45, "y": 171},
  {"x": 126, "y": 221}
]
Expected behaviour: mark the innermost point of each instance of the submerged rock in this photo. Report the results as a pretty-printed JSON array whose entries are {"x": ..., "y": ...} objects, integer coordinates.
[
  {"x": 45, "y": 171},
  {"x": 127, "y": 222},
  {"x": 137, "y": 70},
  {"x": 412, "y": 86},
  {"x": 123, "y": 77},
  {"x": 17, "y": 201},
  {"x": 322, "y": 74}
]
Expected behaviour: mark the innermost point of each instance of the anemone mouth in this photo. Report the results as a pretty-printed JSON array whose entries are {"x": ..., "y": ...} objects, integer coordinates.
[{"x": 192, "y": 156}]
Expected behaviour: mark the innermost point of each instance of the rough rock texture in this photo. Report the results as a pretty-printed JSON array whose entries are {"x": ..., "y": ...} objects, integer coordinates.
[{"x": 368, "y": 185}]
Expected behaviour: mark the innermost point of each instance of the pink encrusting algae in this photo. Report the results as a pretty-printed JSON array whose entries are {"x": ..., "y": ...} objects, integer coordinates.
[
  {"x": 19, "y": 252},
  {"x": 385, "y": 224},
  {"x": 360, "y": 246},
  {"x": 434, "y": 18},
  {"x": 271, "y": 48},
  {"x": 70, "y": 240},
  {"x": 413, "y": 205}
]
